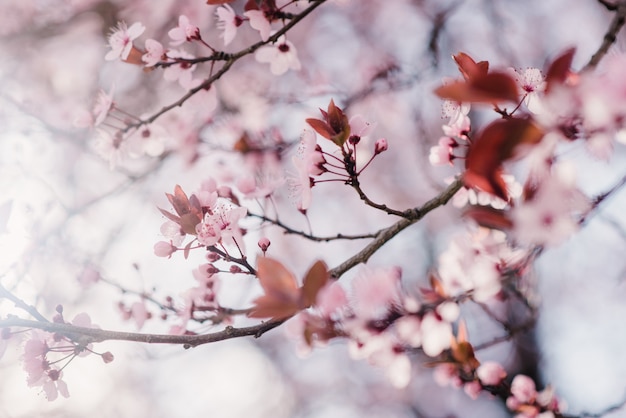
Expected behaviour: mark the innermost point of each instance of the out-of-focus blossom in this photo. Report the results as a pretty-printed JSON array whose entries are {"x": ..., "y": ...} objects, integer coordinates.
[
  {"x": 282, "y": 56},
  {"x": 154, "y": 53},
  {"x": 121, "y": 40},
  {"x": 184, "y": 32},
  {"x": 259, "y": 22},
  {"x": 228, "y": 22}
]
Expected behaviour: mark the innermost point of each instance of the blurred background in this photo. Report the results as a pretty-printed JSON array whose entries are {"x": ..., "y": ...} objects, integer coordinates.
[{"x": 70, "y": 211}]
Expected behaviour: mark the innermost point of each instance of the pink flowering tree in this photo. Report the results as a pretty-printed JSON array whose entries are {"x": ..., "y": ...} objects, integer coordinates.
[{"x": 313, "y": 208}]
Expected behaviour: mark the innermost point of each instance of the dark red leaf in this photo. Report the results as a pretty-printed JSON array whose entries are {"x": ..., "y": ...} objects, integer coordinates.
[
  {"x": 320, "y": 127},
  {"x": 489, "y": 217},
  {"x": 559, "y": 69},
  {"x": 498, "y": 142},
  {"x": 485, "y": 88},
  {"x": 315, "y": 279},
  {"x": 170, "y": 216},
  {"x": 468, "y": 67}
]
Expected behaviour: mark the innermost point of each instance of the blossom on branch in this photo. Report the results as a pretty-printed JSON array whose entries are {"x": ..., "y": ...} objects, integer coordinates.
[
  {"x": 184, "y": 32},
  {"x": 282, "y": 56},
  {"x": 121, "y": 40}
]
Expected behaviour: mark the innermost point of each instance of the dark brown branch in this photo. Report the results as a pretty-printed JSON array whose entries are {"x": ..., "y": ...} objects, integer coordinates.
[
  {"x": 289, "y": 230},
  {"x": 412, "y": 216},
  {"x": 610, "y": 36},
  {"x": 206, "y": 84},
  {"x": 89, "y": 335}
]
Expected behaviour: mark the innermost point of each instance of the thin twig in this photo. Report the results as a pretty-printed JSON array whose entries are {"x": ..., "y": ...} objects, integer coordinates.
[
  {"x": 611, "y": 35},
  {"x": 383, "y": 236}
]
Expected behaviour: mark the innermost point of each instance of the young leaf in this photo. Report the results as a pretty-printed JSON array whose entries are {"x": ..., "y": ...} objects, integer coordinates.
[
  {"x": 281, "y": 291},
  {"x": 559, "y": 69},
  {"x": 315, "y": 279},
  {"x": 497, "y": 143}
]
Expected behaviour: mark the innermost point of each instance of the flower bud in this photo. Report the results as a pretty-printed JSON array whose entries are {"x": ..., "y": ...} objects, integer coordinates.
[
  {"x": 264, "y": 244},
  {"x": 380, "y": 146}
]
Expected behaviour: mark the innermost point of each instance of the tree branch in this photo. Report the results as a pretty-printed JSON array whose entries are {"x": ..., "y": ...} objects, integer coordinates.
[
  {"x": 611, "y": 35},
  {"x": 384, "y": 235},
  {"x": 92, "y": 335}
]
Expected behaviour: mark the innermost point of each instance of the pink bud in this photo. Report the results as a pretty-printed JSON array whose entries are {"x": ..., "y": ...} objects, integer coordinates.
[
  {"x": 224, "y": 191},
  {"x": 164, "y": 249},
  {"x": 523, "y": 388},
  {"x": 380, "y": 146},
  {"x": 235, "y": 269},
  {"x": 212, "y": 257},
  {"x": 264, "y": 244},
  {"x": 490, "y": 373},
  {"x": 107, "y": 357}
]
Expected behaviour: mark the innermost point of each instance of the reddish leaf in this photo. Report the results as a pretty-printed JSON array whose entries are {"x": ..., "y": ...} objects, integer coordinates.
[
  {"x": 219, "y": 1},
  {"x": 335, "y": 125},
  {"x": 559, "y": 69},
  {"x": 179, "y": 201},
  {"x": 281, "y": 291},
  {"x": 187, "y": 250},
  {"x": 498, "y": 142},
  {"x": 315, "y": 279},
  {"x": 489, "y": 217},
  {"x": 320, "y": 127},
  {"x": 484, "y": 88},
  {"x": 468, "y": 67},
  {"x": 170, "y": 216}
]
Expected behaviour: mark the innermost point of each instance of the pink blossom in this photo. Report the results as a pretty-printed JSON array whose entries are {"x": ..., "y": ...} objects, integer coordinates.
[
  {"x": 523, "y": 389},
  {"x": 164, "y": 249},
  {"x": 531, "y": 82},
  {"x": 282, "y": 56},
  {"x": 220, "y": 225},
  {"x": 259, "y": 22},
  {"x": 457, "y": 128},
  {"x": 331, "y": 300},
  {"x": 139, "y": 313},
  {"x": 454, "y": 110},
  {"x": 181, "y": 71},
  {"x": 409, "y": 330},
  {"x": 228, "y": 22},
  {"x": 360, "y": 127},
  {"x": 184, "y": 32},
  {"x": 441, "y": 154},
  {"x": 121, "y": 40},
  {"x": 311, "y": 154},
  {"x": 300, "y": 186},
  {"x": 154, "y": 53},
  {"x": 550, "y": 217},
  {"x": 472, "y": 389},
  {"x": 436, "y": 335},
  {"x": 490, "y": 373},
  {"x": 447, "y": 375},
  {"x": 375, "y": 291},
  {"x": 104, "y": 104}
]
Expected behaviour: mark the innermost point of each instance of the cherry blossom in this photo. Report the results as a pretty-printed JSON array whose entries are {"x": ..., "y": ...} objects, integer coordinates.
[
  {"x": 490, "y": 373},
  {"x": 104, "y": 104},
  {"x": 181, "y": 71},
  {"x": 553, "y": 213},
  {"x": 154, "y": 53},
  {"x": 375, "y": 291},
  {"x": 282, "y": 56},
  {"x": 532, "y": 84},
  {"x": 164, "y": 249},
  {"x": 441, "y": 154},
  {"x": 228, "y": 22},
  {"x": 184, "y": 32},
  {"x": 220, "y": 225},
  {"x": 121, "y": 40},
  {"x": 259, "y": 22}
]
